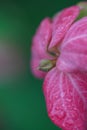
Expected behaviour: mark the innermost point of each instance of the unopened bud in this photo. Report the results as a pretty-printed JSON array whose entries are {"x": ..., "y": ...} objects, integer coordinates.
[
  {"x": 46, "y": 65},
  {"x": 83, "y": 10},
  {"x": 82, "y": 5}
]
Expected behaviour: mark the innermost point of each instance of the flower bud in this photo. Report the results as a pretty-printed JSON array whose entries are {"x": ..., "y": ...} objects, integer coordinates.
[
  {"x": 46, "y": 65},
  {"x": 83, "y": 9}
]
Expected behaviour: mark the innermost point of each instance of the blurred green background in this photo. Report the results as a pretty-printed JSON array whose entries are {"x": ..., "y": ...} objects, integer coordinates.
[{"x": 22, "y": 104}]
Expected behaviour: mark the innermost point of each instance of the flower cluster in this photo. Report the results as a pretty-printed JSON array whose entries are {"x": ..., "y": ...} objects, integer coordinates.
[{"x": 59, "y": 56}]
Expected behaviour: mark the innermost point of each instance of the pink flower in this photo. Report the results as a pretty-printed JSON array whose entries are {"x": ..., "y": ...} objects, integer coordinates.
[{"x": 59, "y": 54}]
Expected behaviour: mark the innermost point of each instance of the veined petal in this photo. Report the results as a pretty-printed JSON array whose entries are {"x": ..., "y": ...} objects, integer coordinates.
[
  {"x": 66, "y": 99},
  {"x": 62, "y": 23},
  {"x": 74, "y": 48}
]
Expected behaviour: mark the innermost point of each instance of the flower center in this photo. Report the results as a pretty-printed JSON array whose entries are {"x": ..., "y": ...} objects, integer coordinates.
[{"x": 46, "y": 64}]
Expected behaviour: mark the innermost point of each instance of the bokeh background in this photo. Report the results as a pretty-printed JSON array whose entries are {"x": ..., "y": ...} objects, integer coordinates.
[{"x": 22, "y": 104}]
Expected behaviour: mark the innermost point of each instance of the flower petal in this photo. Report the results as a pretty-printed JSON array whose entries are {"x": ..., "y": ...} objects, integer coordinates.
[
  {"x": 66, "y": 99},
  {"x": 62, "y": 23},
  {"x": 35, "y": 61},
  {"x": 74, "y": 48},
  {"x": 39, "y": 47},
  {"x": 42, "y": 37}
]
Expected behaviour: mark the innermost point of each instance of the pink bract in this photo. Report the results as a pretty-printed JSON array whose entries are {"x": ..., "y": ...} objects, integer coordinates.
[{"x": 65, "y": 85}]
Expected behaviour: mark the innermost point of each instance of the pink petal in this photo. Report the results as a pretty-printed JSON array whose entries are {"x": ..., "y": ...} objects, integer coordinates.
[
  {"x": 35, "y": 61},
  {"x": 74, "y": 48},
  {"x": 42, "y": 37},
  {"x": 62, "y": 23},
  {"x": 39, "y": 47},
  {"x": 66, "y": 99}
]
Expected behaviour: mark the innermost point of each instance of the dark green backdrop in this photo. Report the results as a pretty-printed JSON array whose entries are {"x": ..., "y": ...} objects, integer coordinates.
[{"x": 22, "y": 105}]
